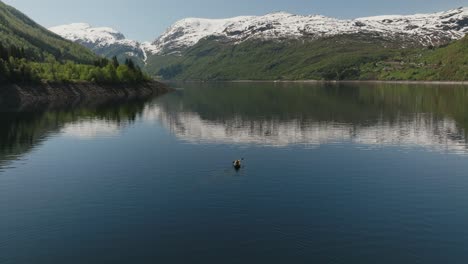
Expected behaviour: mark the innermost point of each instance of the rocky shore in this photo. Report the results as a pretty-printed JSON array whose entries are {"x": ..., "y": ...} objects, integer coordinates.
[{"x": 20, "y": 94}]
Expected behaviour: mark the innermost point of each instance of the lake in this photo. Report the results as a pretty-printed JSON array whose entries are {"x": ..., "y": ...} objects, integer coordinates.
[{"x": 333, "y": 173}]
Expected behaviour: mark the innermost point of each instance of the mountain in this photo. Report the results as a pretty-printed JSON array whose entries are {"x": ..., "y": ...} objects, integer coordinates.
[
  {"x": 279, "y": 45},
  {"x": 285, "y": 46},
  {"x": 103, "y": 41},
  {"x": 16, "y": 29},
  {"x": 423, "y": 29}
]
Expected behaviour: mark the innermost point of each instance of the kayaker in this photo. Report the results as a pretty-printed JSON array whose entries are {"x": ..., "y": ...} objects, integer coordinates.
[{"x": 237, "y": 164}]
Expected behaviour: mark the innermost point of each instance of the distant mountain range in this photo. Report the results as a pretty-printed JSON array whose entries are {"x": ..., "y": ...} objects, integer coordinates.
[
  {"x": 279, "y": 45},
  {"x": 424, "y": 29}
]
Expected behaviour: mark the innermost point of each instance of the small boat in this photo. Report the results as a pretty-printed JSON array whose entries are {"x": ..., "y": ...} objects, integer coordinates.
[{"x": 237, "y": 164}]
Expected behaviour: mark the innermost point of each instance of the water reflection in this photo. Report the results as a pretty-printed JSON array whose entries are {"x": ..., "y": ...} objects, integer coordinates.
[
  {"x": 24, "y": 128},
  {"x": 284, "y": 114},
  {"x": 261, "y": 113},
  {"x": 91, "y": 129}
]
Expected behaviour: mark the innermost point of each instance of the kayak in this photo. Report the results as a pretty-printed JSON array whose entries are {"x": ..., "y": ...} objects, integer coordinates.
[{"x": 237, "y": 164}]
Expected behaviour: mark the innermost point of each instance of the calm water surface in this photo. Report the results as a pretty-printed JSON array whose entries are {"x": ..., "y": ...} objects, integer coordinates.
[{"x": 333, "y": 174}]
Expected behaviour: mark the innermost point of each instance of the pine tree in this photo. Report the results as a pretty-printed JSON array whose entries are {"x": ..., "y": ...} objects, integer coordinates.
[
  {"x": 115, "y": 62},
  {"x": 130, "y": 64}
]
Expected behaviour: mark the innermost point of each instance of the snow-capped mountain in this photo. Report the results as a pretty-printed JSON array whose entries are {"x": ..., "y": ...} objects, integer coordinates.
[
  {"x": 82, "y": 32},
  {"x": 102, "y": 40},
  {"x": 421, "y": 29},
  {"x": 424, "y": 29}
]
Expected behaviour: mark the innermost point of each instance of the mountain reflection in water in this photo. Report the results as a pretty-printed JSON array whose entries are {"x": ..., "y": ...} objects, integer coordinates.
[
  {"x": 23, "y": 129},
  {"x": 284, "y": 114},
  {"x": 268, "y": 114}
]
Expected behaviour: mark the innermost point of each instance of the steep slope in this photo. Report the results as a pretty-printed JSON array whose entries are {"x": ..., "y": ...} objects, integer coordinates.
[
  {"x": 445, "y": 63},
  {"x": 333, "y": 57},
  {"x": 103, "y": 41},
  {"x": 344, "y": 57},
  {"x": 30, "y": 53},
  {"x": 18, "y": 30}
]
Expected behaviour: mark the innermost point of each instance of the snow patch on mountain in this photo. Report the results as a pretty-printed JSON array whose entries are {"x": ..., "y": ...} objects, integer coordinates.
[
  {"x": 104, "y": 41},
  {"x": 422, "y": 29},
  {"x": 101, "y": 36},
  {"x": 426, "y": 29},
  {"x": 149, "y": 48}
]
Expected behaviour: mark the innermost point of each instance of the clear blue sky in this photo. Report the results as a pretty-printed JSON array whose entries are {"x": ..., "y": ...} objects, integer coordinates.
[{"x": 145, "y": 19}]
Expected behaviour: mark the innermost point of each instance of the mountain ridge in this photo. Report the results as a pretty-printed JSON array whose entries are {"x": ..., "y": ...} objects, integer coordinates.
[
  {"x": 104, "y": 41},
  {"x": 428, "y": 29},
  {"x": 285, "y": 46}
]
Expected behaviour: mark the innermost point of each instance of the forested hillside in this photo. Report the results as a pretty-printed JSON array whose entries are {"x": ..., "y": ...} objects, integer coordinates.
[
  {"x": 346, "y": 57},
  {"x": 332, "y": 58},
  {"x": 31, "y": 53},
  {"x": 446, "y": 63}
]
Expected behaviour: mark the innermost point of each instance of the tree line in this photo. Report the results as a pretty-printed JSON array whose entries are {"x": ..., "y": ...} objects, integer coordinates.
[{"x": 17, "y": 67}]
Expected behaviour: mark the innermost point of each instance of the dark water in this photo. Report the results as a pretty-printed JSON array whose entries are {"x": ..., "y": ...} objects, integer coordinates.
[{"x": 333, "y": 174}]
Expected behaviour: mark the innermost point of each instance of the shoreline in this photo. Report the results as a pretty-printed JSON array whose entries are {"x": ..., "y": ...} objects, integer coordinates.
[
  {"x": 331, "y": 81},
  {"x": 18, "y": 94}
]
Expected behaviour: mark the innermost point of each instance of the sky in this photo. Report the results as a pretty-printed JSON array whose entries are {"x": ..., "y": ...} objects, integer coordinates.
[{"x": 145, "y": 20}]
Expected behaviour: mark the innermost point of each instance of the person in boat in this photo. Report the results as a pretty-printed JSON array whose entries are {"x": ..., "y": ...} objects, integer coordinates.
[{"x": 237, "y": 163}]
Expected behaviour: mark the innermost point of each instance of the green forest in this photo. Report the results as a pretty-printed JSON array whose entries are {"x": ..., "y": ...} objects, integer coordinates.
[
  {"x": 17, "y": 67},
  {"x": 345, "y": 57}
]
